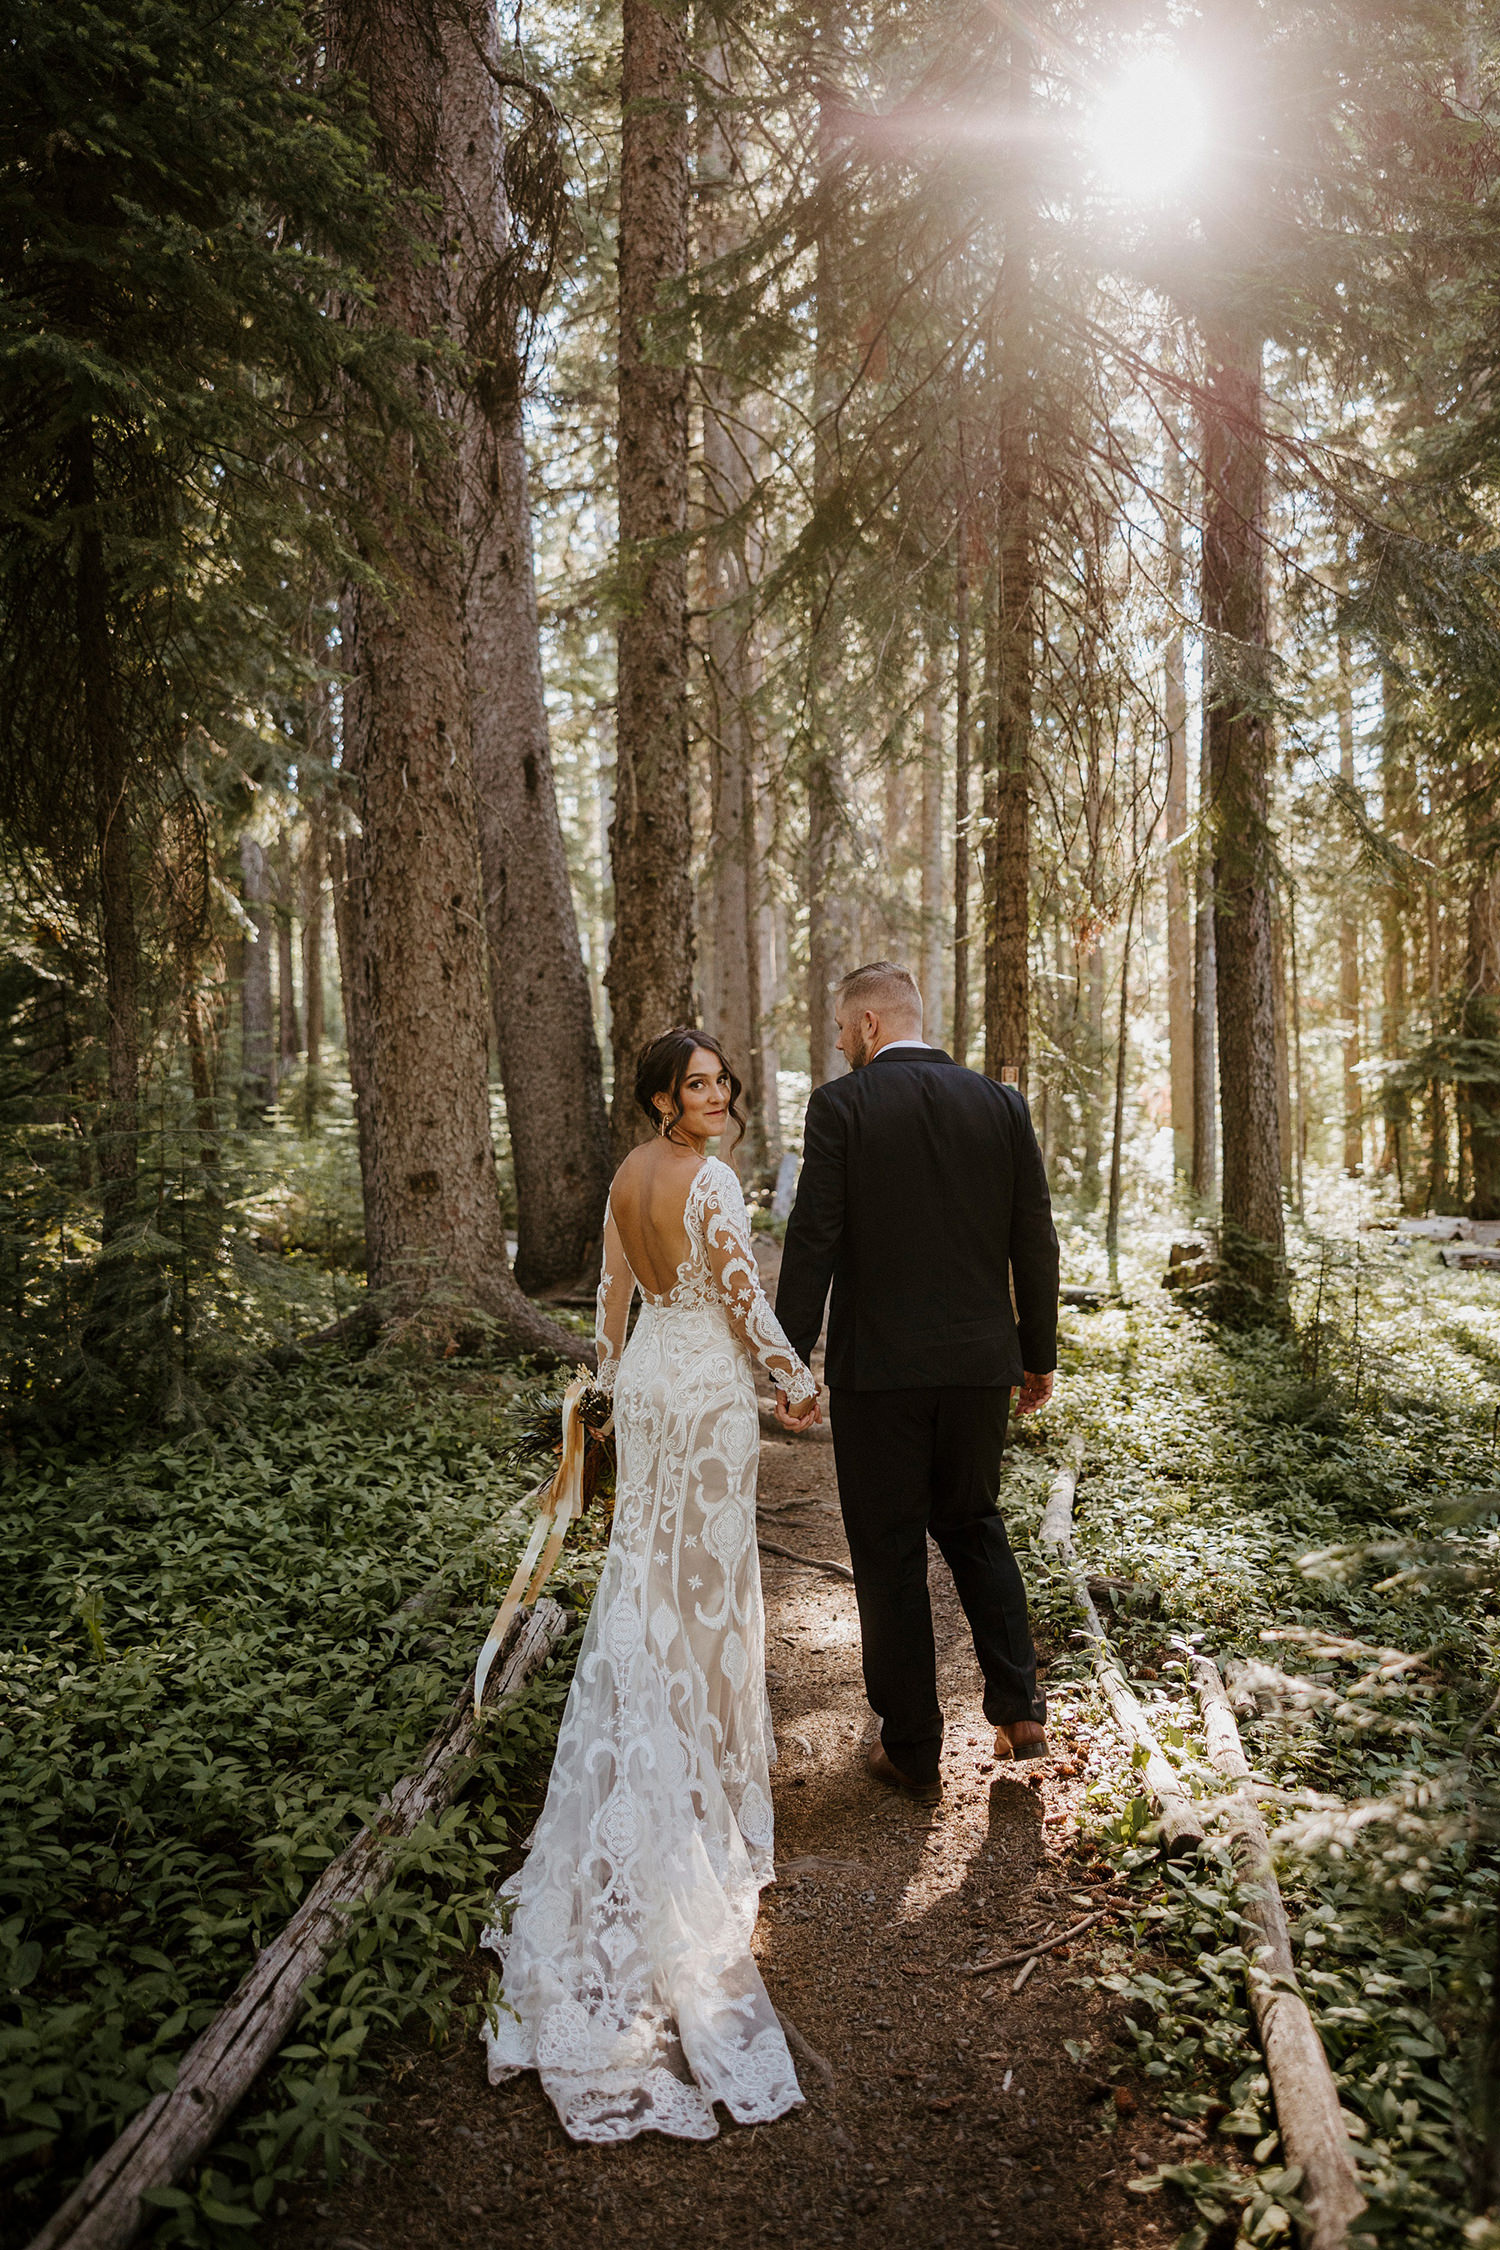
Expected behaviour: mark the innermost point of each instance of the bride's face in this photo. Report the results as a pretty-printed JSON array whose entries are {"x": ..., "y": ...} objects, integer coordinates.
[{"x": 704, "y": 1097}]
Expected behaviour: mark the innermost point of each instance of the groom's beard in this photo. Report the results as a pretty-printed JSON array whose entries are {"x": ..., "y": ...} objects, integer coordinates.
[{"x": 858, "y": 1052}]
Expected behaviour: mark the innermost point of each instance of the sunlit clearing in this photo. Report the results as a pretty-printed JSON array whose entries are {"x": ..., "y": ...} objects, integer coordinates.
[{"x": 1148, "y": 131}]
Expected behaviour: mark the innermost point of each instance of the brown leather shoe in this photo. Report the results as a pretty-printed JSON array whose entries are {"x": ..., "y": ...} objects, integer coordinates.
[
  {"x": 880, "y": 1768},
  {"x": 1021, "y": 1738}
]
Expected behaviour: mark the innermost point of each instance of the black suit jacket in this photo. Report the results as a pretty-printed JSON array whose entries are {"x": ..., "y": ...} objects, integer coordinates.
[{"x": 923, "y": 1200}]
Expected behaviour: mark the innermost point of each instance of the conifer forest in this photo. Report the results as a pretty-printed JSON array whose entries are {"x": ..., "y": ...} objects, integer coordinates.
[{"x": 524, "y": 523}]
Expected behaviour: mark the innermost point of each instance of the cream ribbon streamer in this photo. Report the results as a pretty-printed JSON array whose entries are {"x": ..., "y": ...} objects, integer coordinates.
[{"x": 559, "y": 1503}]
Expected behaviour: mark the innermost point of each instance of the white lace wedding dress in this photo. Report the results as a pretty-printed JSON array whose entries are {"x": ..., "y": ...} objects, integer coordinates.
[{"x": 628, "y": 1980}]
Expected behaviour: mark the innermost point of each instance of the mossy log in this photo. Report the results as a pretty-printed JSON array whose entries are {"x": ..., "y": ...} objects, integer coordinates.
[
  {"x": 1314, "y": 2134},
  {"x": 1181, "y": 1829}
]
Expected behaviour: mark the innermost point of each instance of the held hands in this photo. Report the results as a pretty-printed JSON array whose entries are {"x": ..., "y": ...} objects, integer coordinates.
[
  {"x": 804, "y": 1418},
  {"x": 1034, "y": 1392}
]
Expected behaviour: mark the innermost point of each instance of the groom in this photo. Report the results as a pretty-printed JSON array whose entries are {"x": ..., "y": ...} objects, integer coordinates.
[{"x": 924, "y": 1201}]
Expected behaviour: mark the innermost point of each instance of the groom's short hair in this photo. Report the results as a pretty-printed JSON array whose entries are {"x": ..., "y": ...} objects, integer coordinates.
[{"x": 883, "y": 988}]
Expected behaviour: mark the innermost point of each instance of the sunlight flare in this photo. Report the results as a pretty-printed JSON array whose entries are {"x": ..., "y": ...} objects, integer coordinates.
[{"x": 1148, "y": 131}]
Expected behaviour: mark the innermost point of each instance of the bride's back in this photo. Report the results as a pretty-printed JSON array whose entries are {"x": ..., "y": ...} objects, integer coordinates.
[{"x": 648, "y": 1199}]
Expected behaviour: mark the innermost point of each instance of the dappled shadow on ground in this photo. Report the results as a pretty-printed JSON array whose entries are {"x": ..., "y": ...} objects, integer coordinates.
[{"x": 949, "y": 2113}]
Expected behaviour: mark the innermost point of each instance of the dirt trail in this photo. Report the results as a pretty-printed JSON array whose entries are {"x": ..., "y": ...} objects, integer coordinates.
[{"x": 943, "y": 2110}]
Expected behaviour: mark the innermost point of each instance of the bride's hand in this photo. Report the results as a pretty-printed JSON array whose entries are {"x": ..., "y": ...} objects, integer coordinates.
[{"x": 804, "y": 1420}]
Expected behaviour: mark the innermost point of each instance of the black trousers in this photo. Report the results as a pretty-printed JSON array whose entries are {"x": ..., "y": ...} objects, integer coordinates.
[{"x": 910, "y": 1463}]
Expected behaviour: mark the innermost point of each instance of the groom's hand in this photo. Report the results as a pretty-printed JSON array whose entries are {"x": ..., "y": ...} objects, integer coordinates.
[
  {"x": 800, "y": 1421},
  {"x": 1034, "y": 1392}
]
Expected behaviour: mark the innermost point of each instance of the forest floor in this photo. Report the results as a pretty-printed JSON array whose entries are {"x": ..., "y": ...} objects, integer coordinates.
[
  {"x": 948, "y": 2111},
  {"x": 219, "y": 1645}
]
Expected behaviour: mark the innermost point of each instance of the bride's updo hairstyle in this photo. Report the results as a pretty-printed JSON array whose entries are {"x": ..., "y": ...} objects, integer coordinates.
[{"x": 663, "y": 1067}]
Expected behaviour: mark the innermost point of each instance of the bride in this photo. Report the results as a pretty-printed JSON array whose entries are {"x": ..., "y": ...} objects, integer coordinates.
[{"x": 628, "y": 1980}]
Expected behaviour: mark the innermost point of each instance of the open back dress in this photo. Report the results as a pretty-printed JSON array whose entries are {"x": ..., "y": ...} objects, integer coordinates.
[{"x": 628, "y": 1981}]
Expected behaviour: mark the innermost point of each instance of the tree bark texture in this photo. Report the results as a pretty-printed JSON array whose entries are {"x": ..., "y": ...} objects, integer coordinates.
[
  {"x": 1354, "y": 1128},
  {"x": 1007, "y": 1035},
  {"x": 545, "y": 1039},
  {"x": 412, "y": 913},
  {"x": 650, "y": 977},
  {"x": 257, "y": 1035},
  {"x": 1239, "y": 743},
  {"x": 733, "y": 1005}
]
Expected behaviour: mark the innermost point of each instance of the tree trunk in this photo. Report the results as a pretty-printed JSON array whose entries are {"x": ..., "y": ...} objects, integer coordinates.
[
  {"x": 932, "y": 844},
  {"x": 1354, "y": 1159},
  {"x": 771, "y": 955},
  {"x": 412, "y": 910},
  {"x": 729, "y": 657},
  {"x": 313, "y": 855},
  {"x": 346, "y": 861},
  {"x": 288, "y": 1029},
  {"x": 1283, "y": 1050},
  {"x": 1437, "y": 1107},
  {"x": 257, "y": 1036},
  {"x": 118, "y": 1126},
  {"x": 828, "y": 922},
  {"x": 1481, "y": 1006},
  {"x": 1007, "y": 1037},
  {"x": 1179, "y": 933},
  {"x": 1395, "y": 812},
  {"x": 650, "y": 976},
  {"x": 1088, "y": 1047},
  {"x": 961, "y": 759},
  {"x": 1237, "y": 660},
  {"x": 545, "y": 1040},
  {"x": 1205, "y": 996},
  {"x": 1112, "y": 1208}
]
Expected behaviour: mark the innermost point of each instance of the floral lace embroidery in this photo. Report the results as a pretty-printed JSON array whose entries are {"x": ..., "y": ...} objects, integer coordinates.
[{"x": 629, "y": 1983}]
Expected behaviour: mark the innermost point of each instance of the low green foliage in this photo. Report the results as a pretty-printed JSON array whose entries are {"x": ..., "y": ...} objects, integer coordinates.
[
  {"x": 1315, "y": 1522},
  {"x": 217, "y": 1653}
]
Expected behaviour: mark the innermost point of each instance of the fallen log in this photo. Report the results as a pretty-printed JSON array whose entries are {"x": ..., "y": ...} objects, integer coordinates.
[
  {"x": 1313, "y": 2131},
  {"x": 808, "y": 1562},
  {"x": 1181, "y": 1829},
  {"x": 175, "y": 2129},
  {"x": 1057, "y": 1516}
]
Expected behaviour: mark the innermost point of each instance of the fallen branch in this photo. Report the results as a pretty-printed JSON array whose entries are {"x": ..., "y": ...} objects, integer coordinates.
[
  {"x": 1182, "y": 1830},
  {"x": 1057, "y": 1516},
  {"x": 175, "y": 2129},
  {"x": 806, "y": 2054},
  {"x": 1035, "y": 1952},
  {"x": 1313, "y": 2131},
  {"x": 808, "y": 1562}
]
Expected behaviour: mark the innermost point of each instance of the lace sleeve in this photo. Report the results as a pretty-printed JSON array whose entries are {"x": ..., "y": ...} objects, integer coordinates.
[
  {"x": 726, "y": 1241},
  {"x": 612, "y": 1305}
]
